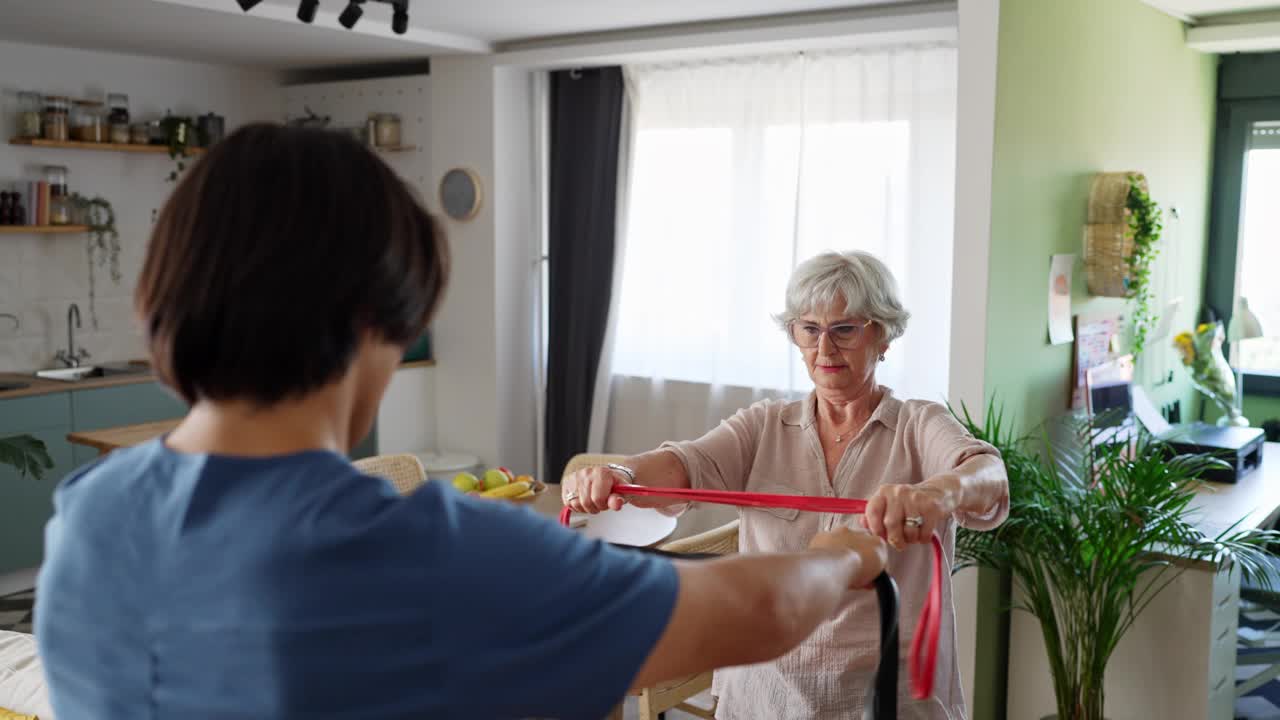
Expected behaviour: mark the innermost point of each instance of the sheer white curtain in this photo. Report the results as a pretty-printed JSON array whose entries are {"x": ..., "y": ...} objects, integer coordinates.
[{"x": 740, "y": 169}]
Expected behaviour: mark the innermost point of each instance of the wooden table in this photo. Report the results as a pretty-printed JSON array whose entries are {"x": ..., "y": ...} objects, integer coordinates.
[{"x": 108, "y": 439}]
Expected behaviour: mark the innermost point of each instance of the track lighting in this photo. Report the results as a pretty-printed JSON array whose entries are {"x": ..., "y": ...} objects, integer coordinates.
[
  {"x": 351, "y": 15},
  {"x": 400, "y": 19},
  {"x": 307, "y": 10}
]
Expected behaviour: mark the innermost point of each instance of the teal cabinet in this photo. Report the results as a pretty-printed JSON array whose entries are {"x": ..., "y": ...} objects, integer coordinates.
[
  {"x": 368, "y": 446},
  {"x": 25, "y": 503},
  {"x": 122, "y": 405}
]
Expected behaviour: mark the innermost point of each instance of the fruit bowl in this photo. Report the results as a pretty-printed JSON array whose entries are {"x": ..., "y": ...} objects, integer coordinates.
[{"x": 500, "y": 484}]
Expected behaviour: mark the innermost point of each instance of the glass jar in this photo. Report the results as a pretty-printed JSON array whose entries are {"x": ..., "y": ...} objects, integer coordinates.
[
  {"x": 59, "y": 195},
  {"x": 387, "y": 128},
  {"x": 56, "y": 125},
  {"x": 118, "y": 119},
  {"x": 30, "y": 109},
  {"x": 140, "y": 134},
  {"x": 89, "y": 122}
]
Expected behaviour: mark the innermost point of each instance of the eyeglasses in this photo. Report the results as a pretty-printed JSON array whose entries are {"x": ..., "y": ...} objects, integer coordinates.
[{"x": 845, "y": 336}]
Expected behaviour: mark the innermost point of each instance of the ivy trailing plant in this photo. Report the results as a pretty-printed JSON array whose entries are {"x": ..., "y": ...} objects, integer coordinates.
[
  {"x": 102, "y": 248},
  {"x": 1144, "y": 230},
  {"x": 178, "y": 136},
  {"x": 25, "y": 454}
]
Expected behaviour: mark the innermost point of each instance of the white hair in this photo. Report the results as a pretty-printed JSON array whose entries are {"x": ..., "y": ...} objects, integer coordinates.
[{"x": 859, "y": 278}]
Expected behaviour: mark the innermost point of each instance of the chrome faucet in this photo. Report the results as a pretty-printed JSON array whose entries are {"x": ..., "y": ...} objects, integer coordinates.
[{"x": 71, "y": 357}]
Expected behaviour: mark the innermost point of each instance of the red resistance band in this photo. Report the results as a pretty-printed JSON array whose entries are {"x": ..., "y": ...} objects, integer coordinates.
[{"x": 924, "y": 645}]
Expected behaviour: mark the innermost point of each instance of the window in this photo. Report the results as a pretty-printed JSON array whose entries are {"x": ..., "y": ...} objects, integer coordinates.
[
  {"x": 1259, "y": 252},
  {"x": 741, "y": 169}
]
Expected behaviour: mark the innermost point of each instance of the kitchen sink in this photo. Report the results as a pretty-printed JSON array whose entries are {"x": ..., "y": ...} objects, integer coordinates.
[{"x": 86, "y": 372}]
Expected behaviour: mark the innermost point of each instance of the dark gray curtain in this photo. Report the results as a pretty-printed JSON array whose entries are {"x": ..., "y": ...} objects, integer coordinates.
[{"x": 586, "y": 128}]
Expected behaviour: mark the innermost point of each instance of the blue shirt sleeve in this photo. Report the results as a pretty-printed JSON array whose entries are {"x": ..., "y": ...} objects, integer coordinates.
[{"x": 545, "y": 622}]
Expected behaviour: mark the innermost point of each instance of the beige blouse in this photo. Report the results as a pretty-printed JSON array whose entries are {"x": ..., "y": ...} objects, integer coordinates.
[{"x": 773, "y": 446}]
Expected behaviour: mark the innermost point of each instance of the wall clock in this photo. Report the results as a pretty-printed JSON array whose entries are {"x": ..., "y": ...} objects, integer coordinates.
[{"x": 460, "y": 194}]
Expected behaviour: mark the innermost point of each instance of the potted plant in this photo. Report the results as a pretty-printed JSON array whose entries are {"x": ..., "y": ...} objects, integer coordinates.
[
  {"x": 1087, "y": 520},
  {"x": 1121, "y": 245},
  {"x": 179, "y": 136},
  {"x": 25, "y": 454},
  {"x": 102, "y": 247}
]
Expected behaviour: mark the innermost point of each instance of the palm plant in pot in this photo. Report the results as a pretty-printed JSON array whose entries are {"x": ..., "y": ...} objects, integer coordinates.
[{"x": 1096, "y": 530}]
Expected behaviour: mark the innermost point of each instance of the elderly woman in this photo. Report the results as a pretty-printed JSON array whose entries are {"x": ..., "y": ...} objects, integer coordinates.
[{"x": 849, "y": 438}]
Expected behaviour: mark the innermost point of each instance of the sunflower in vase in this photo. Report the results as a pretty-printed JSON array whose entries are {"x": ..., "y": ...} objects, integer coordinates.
[{"x": 1201, "y": 352}]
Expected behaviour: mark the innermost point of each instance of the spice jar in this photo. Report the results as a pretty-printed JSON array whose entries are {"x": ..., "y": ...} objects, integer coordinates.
[
  {"x": 56, "y": 110},
  {"x": 89, "y": 122},
  {"x": 59, "y": 195},
  {"x": 387, "y": 129},
  {"x": 118, "y": 118},
  {"x": 30, "y": 107},
  {"x": 140, "y": 134}
]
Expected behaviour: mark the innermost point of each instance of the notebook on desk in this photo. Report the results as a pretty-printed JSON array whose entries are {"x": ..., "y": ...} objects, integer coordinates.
[{"x": 1121, "y": 406}]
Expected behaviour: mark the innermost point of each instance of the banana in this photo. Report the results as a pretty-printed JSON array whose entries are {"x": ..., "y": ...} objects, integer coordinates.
[
  {"x": 526, "y": 494},
  {"x": 507, "y": 491}
]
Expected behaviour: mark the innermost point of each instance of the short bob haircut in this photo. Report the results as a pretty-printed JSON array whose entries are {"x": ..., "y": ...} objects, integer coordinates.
[
  {"x": 858, "y": 279},
  {"x": 277, "y": 252}
]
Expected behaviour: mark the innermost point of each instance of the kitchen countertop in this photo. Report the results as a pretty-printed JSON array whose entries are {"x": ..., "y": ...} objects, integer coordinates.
[{"x": 40, "y": 386}]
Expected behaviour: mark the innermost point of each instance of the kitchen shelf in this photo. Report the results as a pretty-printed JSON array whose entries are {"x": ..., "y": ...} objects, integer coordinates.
[
  {"x": 42, "y": 229},
  {"x": 100, "y": 147}
]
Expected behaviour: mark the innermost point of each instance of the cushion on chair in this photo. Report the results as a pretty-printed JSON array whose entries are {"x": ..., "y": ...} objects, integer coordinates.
[{"x": 22, "y": 687}]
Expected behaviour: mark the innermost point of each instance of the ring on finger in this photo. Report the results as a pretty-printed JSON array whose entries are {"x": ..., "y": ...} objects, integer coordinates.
[
  {"x": 915, "y": 521},
  {"x": 571, "y": 497}
]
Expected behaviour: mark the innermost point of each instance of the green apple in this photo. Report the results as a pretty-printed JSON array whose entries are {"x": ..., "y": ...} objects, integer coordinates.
[
  {"x": 466, "y": 482},
  {"x": 495, "y": 479}
]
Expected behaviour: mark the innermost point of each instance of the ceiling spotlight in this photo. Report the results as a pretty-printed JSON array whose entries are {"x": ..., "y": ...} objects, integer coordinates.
[
  {"x": 351, "y": 15},
  {"x": 247, "y": 5},
  {"x": 307, "y": 10}
]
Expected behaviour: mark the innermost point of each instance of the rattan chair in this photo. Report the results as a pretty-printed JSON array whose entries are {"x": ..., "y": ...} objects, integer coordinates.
[
  {"x": 403, "y": 471},
  {"x": 673, "y": 695}
]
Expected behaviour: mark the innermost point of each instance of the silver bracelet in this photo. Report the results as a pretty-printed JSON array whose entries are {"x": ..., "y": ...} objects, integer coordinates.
[{"x": 631, "y": 474}]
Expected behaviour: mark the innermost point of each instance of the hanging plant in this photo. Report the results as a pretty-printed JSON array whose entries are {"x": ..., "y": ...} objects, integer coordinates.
[
  {"x": 102, "y": 248},
  {"x": 1144, "y": 230},
  {"x": 178, "y": 135}
]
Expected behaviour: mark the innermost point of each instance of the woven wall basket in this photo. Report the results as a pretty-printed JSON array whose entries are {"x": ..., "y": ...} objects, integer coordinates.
[
  {"x": 1106, "y": 258},
  {"x": 1106, "y": 247}
]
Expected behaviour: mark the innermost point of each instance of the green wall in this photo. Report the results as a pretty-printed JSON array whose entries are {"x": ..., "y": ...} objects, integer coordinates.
[{"x": 1083, "y": 86}]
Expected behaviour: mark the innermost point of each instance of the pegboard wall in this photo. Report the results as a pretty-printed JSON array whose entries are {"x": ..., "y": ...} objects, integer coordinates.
[{"x": 348, "y": 104}]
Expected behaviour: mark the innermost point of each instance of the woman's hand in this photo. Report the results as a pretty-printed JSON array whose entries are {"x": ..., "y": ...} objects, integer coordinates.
[
  {"x": 871, "y": 551},
  {"x": 590, "y": 490},
  {"x": 910, "y": 514}
]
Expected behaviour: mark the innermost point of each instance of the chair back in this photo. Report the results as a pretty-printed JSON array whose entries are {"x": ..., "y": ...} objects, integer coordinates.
[{"x": 404, "y": 471}]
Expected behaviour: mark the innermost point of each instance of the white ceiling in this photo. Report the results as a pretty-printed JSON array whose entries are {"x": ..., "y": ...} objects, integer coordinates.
[
  {"x": 1196, "y": 10},
  {"x": 271, "y": 37}
]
